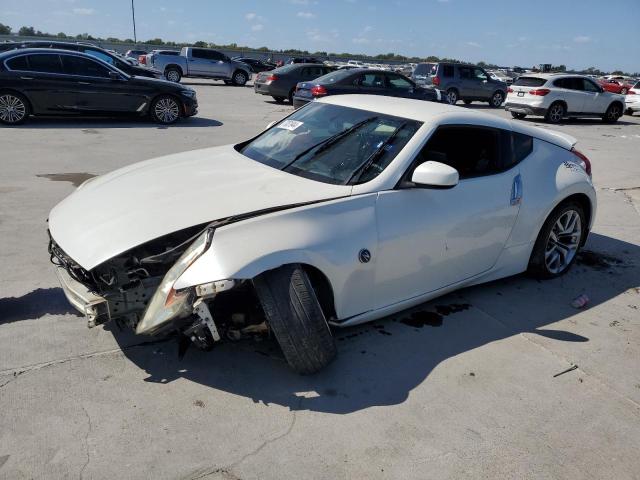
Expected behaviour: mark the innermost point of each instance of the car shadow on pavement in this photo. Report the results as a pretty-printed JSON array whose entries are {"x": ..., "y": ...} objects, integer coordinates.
[
  {"x": 381, "y": 362},
  {"x": 91, "y": 124},
  {"x": 34, "y": 305}
]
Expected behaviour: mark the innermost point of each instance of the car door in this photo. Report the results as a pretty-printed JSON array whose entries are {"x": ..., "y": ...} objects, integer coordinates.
[
  {"x": 372, "y": 83},
  {"x": 96, "y": 91},
  {"x": 483, "y": 85},
  {"x": 596, "y": 101},
  {"x": 572, "y": 92},
  {"x": 468, "y": 87},
  {"x": 45, "y": 83},
  {"x": 199, "y": 62},
  {"x": 432, "y": 238}
]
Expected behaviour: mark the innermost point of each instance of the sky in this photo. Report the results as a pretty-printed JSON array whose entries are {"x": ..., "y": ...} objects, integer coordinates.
[{"x": 578, "y": 34}]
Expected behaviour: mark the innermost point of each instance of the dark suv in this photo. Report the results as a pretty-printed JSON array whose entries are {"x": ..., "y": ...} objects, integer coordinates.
[{"x": 461, "y": 82}]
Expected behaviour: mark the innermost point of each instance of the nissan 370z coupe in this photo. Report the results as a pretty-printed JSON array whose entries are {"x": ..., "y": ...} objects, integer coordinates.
[{"x": 352, "y": 208}]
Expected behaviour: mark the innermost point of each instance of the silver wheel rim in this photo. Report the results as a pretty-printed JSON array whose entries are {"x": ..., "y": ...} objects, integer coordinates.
[
  {"x": 613, "y": 113},
  {"x": 172, "y": 76},
  {"x": 556, "y": 113},
  {"x": 166, "y": 110},
  {"x": 497, "y": 99},
  {"x": 240, "y": 78},
  {"x": 563, "y": 242},
  {"x": 452, "y": 97},
  {"x": 12, "y": 109}
]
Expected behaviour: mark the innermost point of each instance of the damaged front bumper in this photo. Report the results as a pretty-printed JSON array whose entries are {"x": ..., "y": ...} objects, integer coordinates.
[{"x": 94, "y": 307}]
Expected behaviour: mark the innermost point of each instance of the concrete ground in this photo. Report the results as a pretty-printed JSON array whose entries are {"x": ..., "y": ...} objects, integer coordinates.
[{"x": 471, "y": 394}]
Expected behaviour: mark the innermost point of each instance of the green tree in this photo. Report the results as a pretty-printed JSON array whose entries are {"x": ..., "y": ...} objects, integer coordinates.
[
  {"x": 26, "y": 31},
  {"x": 201, "y": 44},
  {"x": 61, "y": 35},
  {"x": 5, "y": 29}
]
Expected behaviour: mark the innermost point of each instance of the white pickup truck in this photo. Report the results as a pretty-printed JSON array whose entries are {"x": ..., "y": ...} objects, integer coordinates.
[{"x": 201, "y": 63}]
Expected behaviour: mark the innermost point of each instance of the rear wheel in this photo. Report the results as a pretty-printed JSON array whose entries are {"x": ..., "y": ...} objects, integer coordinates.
[
  {"x": 558, "y": 241},
  {"x": 165, "y": 109},
  {"x": 290, "y": 96},
  {"x": 296, "y": 319},
  {"x": 452, "y": 96},
  {"x": 613, "y": 113},
  {"x": 518, "y": 116},
  {"x": 14, "y": 108},
  {"x": 279, "y": 99},
  {"x": 173, "y": 75},
  {"x": 556, "y": 113},
  {"x": 496, "y": 99},
  {"x": 240, "y": 78}
]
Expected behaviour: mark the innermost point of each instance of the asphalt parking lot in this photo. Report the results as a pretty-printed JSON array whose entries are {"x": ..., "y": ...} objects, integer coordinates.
[{"x": 469, "y": 394}]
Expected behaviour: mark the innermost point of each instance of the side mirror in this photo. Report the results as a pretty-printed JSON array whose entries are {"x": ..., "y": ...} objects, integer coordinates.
[
  {"x": 271, "y": 124},
  {"x": 435, "y": 174},
  {"x": 114, "y": 76}
]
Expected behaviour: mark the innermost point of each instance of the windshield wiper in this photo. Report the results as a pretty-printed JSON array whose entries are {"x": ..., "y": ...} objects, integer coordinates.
[
  {"x": 327, "y": 142},
  {"x": 364, "y": 166}
]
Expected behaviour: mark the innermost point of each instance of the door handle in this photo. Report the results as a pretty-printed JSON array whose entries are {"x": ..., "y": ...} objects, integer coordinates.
[
  {"x": 26, "y": 78},
  {"x": 516, "y": 190},
  {"x": 84, "y": 83}
]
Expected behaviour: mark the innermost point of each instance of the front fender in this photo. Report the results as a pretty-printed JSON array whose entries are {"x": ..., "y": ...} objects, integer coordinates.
[{"x": 327, "y": 236}]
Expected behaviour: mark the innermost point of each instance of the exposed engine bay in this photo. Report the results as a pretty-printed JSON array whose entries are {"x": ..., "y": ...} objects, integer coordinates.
[{"x": 128, "y": 285}]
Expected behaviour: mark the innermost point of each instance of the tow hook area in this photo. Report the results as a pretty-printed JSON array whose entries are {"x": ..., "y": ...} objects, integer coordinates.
[{"x": 203, "y": 332}]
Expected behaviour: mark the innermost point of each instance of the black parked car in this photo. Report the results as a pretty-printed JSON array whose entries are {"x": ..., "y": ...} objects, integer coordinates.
[
  {"x": 367, "y": 81},
  {"x": 256, "y": 65},
  {"x": 97, "y": 52},
  {"x": 60, "y": 82},
  {"x": 281, "y": 82},
  {"x": 303, "y": 60}
]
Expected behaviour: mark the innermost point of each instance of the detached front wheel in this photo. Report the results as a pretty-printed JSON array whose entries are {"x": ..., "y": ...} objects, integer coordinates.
[{"x": 296, "y": 319}]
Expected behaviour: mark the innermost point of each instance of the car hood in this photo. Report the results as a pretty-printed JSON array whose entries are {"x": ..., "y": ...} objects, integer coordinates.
[{"x": 113, "y": 213}]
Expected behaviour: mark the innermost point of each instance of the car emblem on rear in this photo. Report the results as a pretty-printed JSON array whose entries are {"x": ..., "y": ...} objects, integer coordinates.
[{"x": 364, "y": 255}]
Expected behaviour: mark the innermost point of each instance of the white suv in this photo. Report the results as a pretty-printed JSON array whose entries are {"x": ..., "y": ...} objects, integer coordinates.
[{"x": 557, "y": 96}]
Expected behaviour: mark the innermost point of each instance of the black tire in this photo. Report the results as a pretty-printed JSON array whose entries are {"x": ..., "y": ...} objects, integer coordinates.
[
  {"x": 518, "y": 116},
  {"x": 290, "y": 96},
  {"x": 452, "y": 96},
  {"x": 613, "y": 113},
  {"x": 555, "y": 113},
  {"x": 497, "y": 99},
  {"x": 296, "y": 319},
  {"x": 467, "y": 102},
  {"x": 165, "y": 109},
  {"x": 173, "y": 75},
  {"x": 240, "y": 78},
  {"x": 279, "y": 99},
  {"x": 629, "y": 112},
  {"x": 537, "y": 263},
  {"x": 14, "y": 108}
]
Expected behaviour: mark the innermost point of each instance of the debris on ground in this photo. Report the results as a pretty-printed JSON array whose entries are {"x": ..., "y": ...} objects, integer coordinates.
[
  {"x": 570, "y": 369},
  {"x": 580, "y": 301}
]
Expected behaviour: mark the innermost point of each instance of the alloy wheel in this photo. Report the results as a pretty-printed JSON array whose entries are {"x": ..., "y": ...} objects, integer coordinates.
[
  {"x": 556, "y": 113},
  {"x": 452, "y": 97},
  {"x": 173, "y": 76},
  {"x": 497, "y": 99},
  {"x": 240, "y": 78},
  {"x": 12, "y": 109},
  {"x": 167, "y": 110},
  {"x": 614, "y": 113},
  {"x": 563, "y": 242}
]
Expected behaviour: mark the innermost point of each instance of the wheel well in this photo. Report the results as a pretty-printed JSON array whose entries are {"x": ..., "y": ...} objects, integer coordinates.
[
  {"x": 322, "y": 288},
  {"x": 616, "y": 102},
  {"x": 16, "y": 92},
  {"x": 173, "y": 67},
  {"x": 584, "y": 201},
  {"x": 562, "y": 102}
]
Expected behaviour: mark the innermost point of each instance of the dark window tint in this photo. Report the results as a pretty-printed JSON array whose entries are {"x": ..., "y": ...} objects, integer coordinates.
[
  {"x": 337, "y": 76},
  {"x": 478, "y": 74},
  {"x": 589, "y": 86},
  {"x": 397, "y": 82},
  {"x": 372, "y": 80},
  {"x": 45, "y": 63},
  {"x": 101, "y": 55},
  {"x": 207, "y": 54},
  {"x": 18, "y": 63},
  {"x": 470, "y": 150},
  {"x": 447, "y": 71},
  {"x": 312, "y": 72},
  {"x": 530, "y": 82},
  {"x": 522, "y": 147},
  {"x": 464, "y": 72},
  {"x": 569, "y": 83},
  {"x": 425, "y": 69},
  {"x": 83, "y": 66}
]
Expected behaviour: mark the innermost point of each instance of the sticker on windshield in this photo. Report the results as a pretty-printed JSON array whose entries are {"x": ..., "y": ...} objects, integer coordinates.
[{"x": 289, "y": 125}]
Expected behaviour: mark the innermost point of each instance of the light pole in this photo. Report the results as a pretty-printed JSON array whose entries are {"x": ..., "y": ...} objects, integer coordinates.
[{"x": 133, "y": 15}]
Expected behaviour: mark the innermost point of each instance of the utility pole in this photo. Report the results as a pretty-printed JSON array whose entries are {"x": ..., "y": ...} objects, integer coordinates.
[{"x": 133, "y": 15}]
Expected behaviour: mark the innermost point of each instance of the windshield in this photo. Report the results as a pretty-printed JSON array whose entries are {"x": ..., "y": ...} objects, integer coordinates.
[
  {"x": 332, "y": 144},
  {"x": 424, "y": 69}
]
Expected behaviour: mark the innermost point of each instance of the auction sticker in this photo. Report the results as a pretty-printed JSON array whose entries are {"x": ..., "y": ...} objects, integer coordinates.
[{"x": 289, "y": 125}]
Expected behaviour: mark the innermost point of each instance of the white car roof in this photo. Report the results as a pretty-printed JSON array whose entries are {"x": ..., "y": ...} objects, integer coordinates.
[{"x": 433, "y": 113}]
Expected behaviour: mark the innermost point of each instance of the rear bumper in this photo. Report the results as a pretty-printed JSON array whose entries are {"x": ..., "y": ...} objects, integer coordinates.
[
  {"x": 524, "y": 109},
  {"x": 94, "y": 307}
]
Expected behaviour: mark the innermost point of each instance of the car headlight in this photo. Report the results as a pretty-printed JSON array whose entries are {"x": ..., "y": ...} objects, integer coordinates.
[
  {"x": 167, "y": 303},
  {"x": 188, "y": 93}
]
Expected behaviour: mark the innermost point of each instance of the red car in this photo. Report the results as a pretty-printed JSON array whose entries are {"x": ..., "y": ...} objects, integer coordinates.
[{"x": 615, "y": 86}]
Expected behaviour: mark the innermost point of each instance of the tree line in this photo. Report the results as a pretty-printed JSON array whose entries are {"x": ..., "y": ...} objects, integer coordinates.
[{"x": 383, "y": 57}]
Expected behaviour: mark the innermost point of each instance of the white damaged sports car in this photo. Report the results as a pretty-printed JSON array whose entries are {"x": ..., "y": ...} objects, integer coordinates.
[{"x": 350, "y": 209}]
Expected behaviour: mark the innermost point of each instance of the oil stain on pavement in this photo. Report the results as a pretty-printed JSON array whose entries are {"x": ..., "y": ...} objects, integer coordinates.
[{"x": 76, "y": 179}]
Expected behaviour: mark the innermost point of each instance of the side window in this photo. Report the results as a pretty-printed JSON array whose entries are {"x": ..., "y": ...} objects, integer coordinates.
[
  {"x": 372, "y": 80},
  {"x": 44, "y": 63},
  {"x": 522, "y": 147},
  {"x": 589, "y": 86},
  {"x": 316, "y": 72},
  {"x": 560, "y": 83},
  {"x": 447, "y": 71},
  {"x": 217, "y": 56},
  {"x": 396, "y": 82},
  {"x": 102, "y": 56},
  {"x": 74, "y": 65},
  {"x": 473, "y": 151},
  {"x": 478, "y": 74},
  {"x": 197, "y": 53},
  {"x": 18, "y": 63},
  {"x": 304, "y": 73},
  {"x": 464, "y": 72}
]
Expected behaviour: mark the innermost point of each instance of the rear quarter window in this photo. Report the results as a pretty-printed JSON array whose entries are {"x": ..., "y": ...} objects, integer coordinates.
[
  {"x": 447, "y": 71},
  {"x": 530, "y": 82},
  {"x": 18, "y": 63},
  {"x": 522, "y": 146}
]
